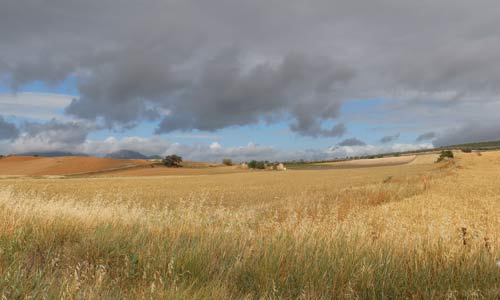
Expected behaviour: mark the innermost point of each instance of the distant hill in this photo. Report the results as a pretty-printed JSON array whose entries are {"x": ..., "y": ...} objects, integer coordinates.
[
  {"x": 130, "y": 154},
  {"x": 51, "y": 154},
  {"x": 493, "y": 145}
]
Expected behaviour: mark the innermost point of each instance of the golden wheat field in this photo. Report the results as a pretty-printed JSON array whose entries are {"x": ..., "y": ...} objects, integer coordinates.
[{"x": 418, "y": 230}]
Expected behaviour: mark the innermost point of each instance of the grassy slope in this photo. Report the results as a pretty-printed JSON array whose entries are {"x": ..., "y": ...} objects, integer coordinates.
[{"x": 330, "y": 234}]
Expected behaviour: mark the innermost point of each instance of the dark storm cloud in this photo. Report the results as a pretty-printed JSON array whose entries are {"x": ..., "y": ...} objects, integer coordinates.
[
  {"x": 129, "y": 89},
  {"x": 225, "y": 94},
  {"x": 426, "y": 136},
  {"x": 56, "y": 132},
  {"x": 208, "y": 65},
  {"x": 472, "y": 132},
  {"x": 8, "y": 130},
  {"x": 389, "y": 138},
  {"x": 315, "y": 129},
  {"x": 352, "y": 142}
]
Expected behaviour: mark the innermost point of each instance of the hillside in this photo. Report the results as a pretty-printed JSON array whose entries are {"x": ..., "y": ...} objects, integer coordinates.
[
  {"x": 67, "y": 165},
  {"x": 51, "y": 154},
  {"x": 492, "y": 145},
  {"x": 130, "y": 154}
]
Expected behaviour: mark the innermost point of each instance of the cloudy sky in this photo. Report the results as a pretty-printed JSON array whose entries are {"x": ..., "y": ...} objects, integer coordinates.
[{"x": 275, "y": 79}]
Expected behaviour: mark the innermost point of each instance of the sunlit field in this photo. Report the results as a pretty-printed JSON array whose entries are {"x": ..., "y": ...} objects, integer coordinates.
[{"x": 419, "y": 230}]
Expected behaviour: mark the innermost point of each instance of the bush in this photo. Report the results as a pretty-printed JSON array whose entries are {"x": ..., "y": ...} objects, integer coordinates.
[
  {"x": 254, "y": 164},
  {"x": 466, "y": 150},
  {"x": 445, "y": 154},
  {"x": 387, "y": 179},
  {"x": 172, "y": 161},
  {"x": 227, "y": 162}
]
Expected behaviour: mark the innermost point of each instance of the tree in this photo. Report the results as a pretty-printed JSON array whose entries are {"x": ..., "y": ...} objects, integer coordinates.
[
  {"x": 254, "y": 164},
  {"x": 260, "y": 165},
  {"x": 227, "y": 162},
  {"x": 172, "y": 161},
  {"x": 445, "y": 154}
]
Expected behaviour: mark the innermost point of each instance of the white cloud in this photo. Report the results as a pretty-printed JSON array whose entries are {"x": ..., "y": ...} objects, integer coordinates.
[
  {"x": 149, "y": 146},
  {"x": 34, "y": 105},
  {"x": 215, "y": 146},
  {"x": 344, "y": 151},
  {"x": 158, "y": 146},
  {"x": 53, "y": 136},
  {"x": 197, "y": 136}
]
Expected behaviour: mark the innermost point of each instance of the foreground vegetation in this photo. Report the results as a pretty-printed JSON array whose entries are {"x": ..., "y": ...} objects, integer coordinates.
[{"x": 375, "y": 233}]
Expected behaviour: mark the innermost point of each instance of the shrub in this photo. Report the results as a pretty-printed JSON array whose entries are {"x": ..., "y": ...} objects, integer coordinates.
[
  {"x": 466, "y": 150},
  {"x": 387, "y": 179},
  {"x": 227, "y": 162},
  {"x": 172, "y": 161},
  {"x": 445, "y": 154},
  {"x": 254, "y": 164}
]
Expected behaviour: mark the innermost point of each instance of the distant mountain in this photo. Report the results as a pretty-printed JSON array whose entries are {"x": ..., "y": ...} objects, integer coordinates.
[
  {"x": 51, "y": 154},
  {"x": 130, "y": 154}
]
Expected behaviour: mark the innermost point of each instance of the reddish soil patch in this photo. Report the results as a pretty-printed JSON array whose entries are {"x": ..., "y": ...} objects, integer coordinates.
[{"x": 67, "y": 165}]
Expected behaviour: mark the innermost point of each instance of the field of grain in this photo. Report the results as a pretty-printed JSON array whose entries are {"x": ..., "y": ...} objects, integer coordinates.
[
  {"x": 78, "y": 166},
  {"x": 164, "y": 171},
  {"x": 375, "y": 162},
  {"x": 415, "y": 231}
]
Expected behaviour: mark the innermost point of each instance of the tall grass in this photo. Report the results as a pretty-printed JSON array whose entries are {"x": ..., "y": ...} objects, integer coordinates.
[{"x": 391, "y": 240}]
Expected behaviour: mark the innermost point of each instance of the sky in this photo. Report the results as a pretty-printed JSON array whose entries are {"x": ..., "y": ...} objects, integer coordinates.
[{"x": 273, "y": 79}]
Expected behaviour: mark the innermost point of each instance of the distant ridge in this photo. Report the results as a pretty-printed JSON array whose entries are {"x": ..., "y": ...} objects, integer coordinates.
[
  {"x": 130, "y": 154},
  {"x": 51, "y": 154},
  {"x": 489, "y": 145}
]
